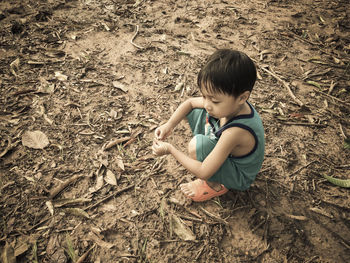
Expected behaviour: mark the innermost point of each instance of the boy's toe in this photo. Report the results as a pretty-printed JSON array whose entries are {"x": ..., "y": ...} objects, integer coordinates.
[{"x": 186, "y": 190}]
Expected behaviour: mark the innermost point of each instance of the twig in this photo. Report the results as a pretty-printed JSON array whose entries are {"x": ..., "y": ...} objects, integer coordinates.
[
  {"x": 285, "y": 84},
  {"x": 9, "y": 142},
  {"x": 176, "y": 202},
  {"x": 343, "y": 166},
  {"x": 191, "y": 218},
  {"x": 199, "y": 252},
  {"x": 128, "y": 140},
  {"x": 301, "y": 168},
  {"x": 82, "y": 258},
  {"x": 311, "y": 259},
  {"x": 108, "y": 197},
  {"x": 321, "y": 212},
  {"x": 38, "y": 224},
  {"x": 303, "y": 123},
  {"x": 115, "y": 142},
  {"x": 334, "y": 98},
  {"x": 342, "y": 131},
  {"x": 258, "y": 225},
  {"x": 6, "y": 185},
  {"x": 134, "y": 36},
  {"x": 219, "y": 219},
  {"x": 338, "y": 237},
  {"x": 133, "y": 137},
  {"x": 59, "y": 188},
  {"x": 331, "y": 87}
]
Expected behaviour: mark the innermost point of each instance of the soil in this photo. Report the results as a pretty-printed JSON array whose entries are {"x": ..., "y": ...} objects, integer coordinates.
[{"x": 77, "y": 75}]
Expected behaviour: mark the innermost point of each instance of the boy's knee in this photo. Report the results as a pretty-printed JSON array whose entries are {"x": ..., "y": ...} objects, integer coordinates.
[
  {"x": 192, "y": 148},
  {"x": 200, "y": 146}
]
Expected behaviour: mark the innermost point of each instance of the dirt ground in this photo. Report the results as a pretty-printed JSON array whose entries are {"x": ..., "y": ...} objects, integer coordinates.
[{"x": 83, "y": 85}]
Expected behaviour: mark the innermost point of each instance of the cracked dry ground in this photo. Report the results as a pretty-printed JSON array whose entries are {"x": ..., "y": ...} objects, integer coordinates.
[{"x": 84, "y": 74}]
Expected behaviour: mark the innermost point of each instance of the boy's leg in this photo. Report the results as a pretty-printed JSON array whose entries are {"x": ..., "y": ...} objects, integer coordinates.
[
  {"x": 192, "y": 152},
  {"x": 196, "y": 120},
  {"x": 200, "y": 190}
]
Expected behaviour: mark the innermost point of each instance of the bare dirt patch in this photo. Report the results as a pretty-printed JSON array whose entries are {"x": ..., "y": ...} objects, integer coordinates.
[{"x": 87, "y": 73}]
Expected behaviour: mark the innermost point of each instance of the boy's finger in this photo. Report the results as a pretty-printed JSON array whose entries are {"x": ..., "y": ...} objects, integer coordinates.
[{"x": 157, "y": 133}]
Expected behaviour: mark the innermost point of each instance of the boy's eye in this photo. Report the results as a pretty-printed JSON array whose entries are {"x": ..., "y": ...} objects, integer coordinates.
[{"x": 215, "y": 102}]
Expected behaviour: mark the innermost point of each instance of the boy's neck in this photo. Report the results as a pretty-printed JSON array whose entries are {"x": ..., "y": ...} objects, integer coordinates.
[{"x": 245, "y": 109}]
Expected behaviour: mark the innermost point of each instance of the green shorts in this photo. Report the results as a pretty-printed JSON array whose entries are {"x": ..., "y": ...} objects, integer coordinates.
[{"x": 228, "y": 174}]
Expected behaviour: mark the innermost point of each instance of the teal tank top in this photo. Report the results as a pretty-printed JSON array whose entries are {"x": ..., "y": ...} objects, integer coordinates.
[{"x": 249, "y": 164}]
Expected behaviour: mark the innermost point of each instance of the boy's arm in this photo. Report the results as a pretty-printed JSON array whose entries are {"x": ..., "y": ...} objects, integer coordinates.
[
  {"x": 163, "y": 131},
  {"x": 184, "y": 109},
  {"x": 206, "y": 169}
]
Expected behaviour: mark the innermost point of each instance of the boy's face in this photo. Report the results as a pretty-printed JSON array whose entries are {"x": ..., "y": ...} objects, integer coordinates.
[{"x": 221, "y": 105}]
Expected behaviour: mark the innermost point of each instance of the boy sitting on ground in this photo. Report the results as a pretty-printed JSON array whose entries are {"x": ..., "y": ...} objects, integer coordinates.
[{"x": 227, "y": 149}]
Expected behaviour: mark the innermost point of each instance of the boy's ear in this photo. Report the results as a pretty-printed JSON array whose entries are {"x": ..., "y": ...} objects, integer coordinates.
[{"x": 244, "y": 96}]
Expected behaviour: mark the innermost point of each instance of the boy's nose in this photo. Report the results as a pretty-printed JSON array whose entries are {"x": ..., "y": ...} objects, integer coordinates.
[{"x": 207, "y": 105}]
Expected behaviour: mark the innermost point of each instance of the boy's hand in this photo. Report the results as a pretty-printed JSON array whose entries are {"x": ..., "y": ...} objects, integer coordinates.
[
  {"x": 163, "y": 131},
  {"x": 160, "y": 148}
]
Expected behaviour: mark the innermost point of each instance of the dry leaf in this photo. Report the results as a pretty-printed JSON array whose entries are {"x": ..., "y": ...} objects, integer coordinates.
[
  {"x": 8, "y": 254},
  {"x": 77, "y": 212},
  {"x": 181, "y": 230},
  {"x": 93, "y": 237},
  {"x": 60, "y": 76},
  {"x": 46, "y": 87},
  {"x": 120, "y": 163},
  {"x": 98, "y": 185},
  {"x": 50, "y": 207},
  {"x": 35, "y": 139},
  {"x": 113, "y": 114},
  {"x": 109, "y": 208},
  {"x": 110, "y": 178},
  {"x": 14, "y": 66},
  {"x": 120, "y": 86},
  {"x": 178, "y": 86},
  {"x": 21, "y": 249},
  {"x": 59, "y": 256}
]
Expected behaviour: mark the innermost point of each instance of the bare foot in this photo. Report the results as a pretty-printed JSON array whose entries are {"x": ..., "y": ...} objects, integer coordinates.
[{"x": 200, "y": 190}]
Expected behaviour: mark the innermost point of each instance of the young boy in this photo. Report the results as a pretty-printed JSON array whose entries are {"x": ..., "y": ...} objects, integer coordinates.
[{"x": 227, "y": 149}]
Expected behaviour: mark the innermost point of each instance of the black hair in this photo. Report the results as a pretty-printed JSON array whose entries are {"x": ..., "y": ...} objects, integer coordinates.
[{"x": 227, "y": 71}]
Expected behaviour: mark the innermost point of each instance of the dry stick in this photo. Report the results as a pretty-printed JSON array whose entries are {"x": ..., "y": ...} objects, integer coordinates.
[
  {"x": 200, "y": 252},
  {"x": 301, "y": 104},
  {"x": 6, "y": 185},
  {"x": 258, "y": 225},
  {"x": 115, "y": 142},
  {"x": 303, "y": 124},
  {"x": 301, "y": 168},
  {"x": 9, "y": 142},
  {"x": 174, "y": 201},
  {"x": 342, "y": 131},
  {"x": 334, "y": 98},
  {"x": 128, "y": 140},
  {"x": 219, "y": 219},
  {"x": 82, "y": 258},
  {"x": 331, "y": 87},
  {"x": 191, "y": 218},
  {"x": 133, "y": 137},
  {"x": 338, "y": 237},
  {"x": 59, "y": 188},
  {"x": 134, "y": 36},
  {"x": 311, "y": 259},
  {"x": 38, "y": 224},
  {"x": 109, "y": 196}
]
